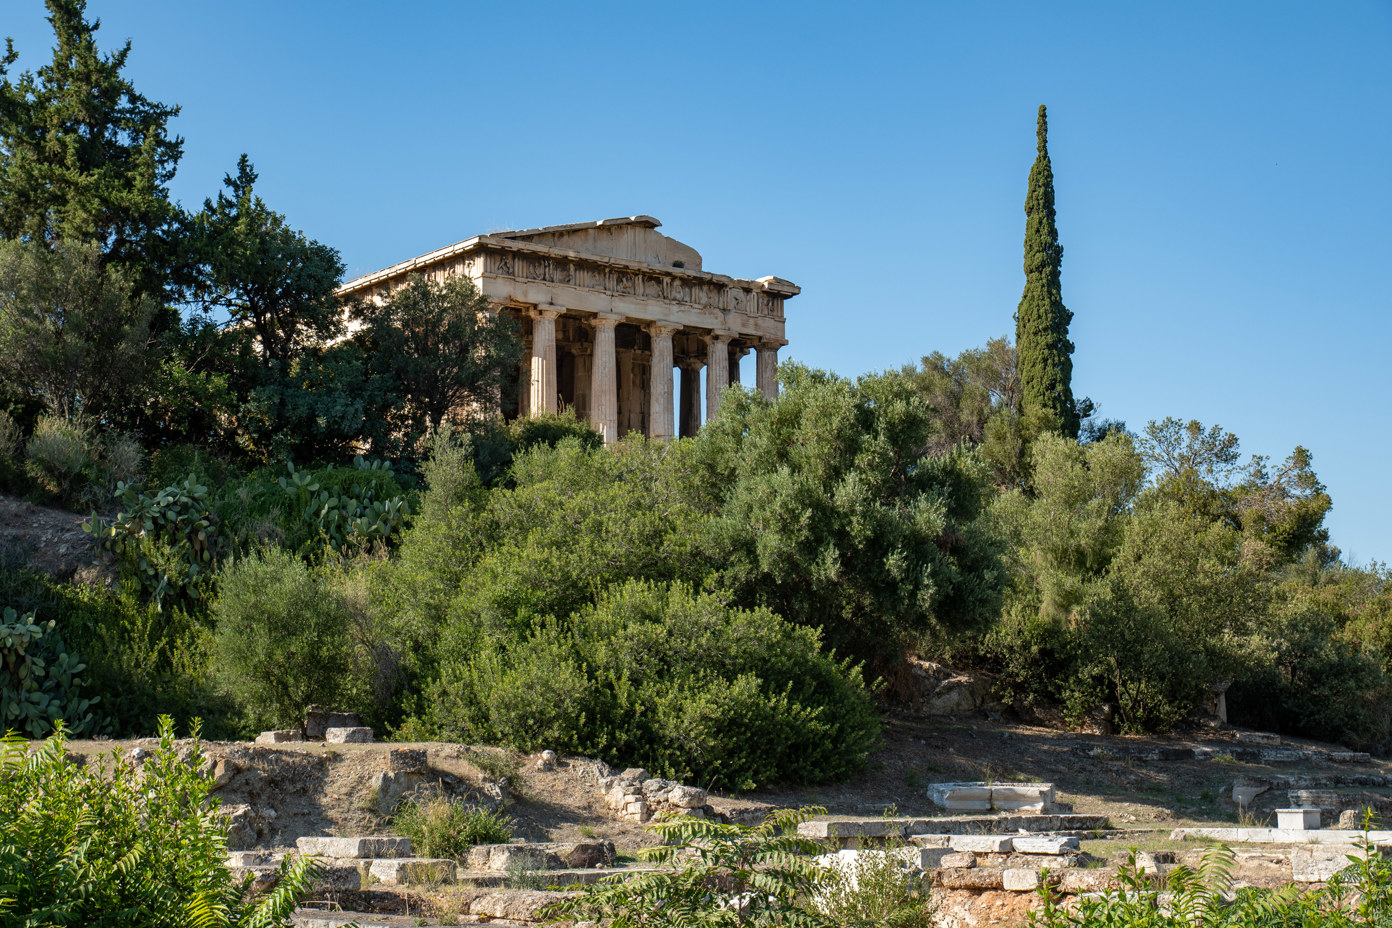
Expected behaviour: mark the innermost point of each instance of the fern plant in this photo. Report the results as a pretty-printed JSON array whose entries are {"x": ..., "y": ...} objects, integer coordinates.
[
  {"x": 714, "y": 875},
  {"x": 114, "y": 843}
]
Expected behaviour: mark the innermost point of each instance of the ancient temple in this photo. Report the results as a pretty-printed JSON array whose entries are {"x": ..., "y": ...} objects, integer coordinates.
[{"x": 609, "y": 310}]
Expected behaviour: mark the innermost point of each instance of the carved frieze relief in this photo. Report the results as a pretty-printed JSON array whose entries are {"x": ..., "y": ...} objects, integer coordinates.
[{"x": 709, "y": 295}]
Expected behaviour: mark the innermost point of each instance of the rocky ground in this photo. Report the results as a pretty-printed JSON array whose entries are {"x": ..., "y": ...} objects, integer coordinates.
[{"x": 1146, "y": 787}]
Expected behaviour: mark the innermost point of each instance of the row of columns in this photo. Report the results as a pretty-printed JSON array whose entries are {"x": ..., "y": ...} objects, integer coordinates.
[{"x": 604, "y": 399}]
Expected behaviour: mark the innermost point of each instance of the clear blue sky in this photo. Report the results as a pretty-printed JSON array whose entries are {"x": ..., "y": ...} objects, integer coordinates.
[{"x": 1223, "y": 172}]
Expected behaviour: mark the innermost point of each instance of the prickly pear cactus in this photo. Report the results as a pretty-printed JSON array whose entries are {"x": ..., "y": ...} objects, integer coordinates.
[
  {"x": 39, "y": 683},
  {"x": 169, "y": 542}
]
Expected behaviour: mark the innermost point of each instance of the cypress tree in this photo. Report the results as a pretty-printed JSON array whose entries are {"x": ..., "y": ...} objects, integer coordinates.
[{"x": 1041, "y": 321}]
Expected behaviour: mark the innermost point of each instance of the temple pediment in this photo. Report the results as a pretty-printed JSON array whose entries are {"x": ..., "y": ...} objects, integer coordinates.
[{"x": 634, "y": 238}]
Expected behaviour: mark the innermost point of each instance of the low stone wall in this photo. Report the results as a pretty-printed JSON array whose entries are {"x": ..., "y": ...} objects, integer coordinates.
[{"x": 635, "y": 796}]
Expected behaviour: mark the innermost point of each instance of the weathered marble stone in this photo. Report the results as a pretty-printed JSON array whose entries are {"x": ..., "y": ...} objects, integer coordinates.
[
  {"x": 982, "y": 844},
  {"x": 412, "y": 871},
  {"x": 354, "y": 847},
  {"x": 348, "y": 736},
  {"x": 280, "y": 736}
]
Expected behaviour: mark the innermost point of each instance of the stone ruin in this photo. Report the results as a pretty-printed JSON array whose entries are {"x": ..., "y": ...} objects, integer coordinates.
[{"x": 635, "y": 796}]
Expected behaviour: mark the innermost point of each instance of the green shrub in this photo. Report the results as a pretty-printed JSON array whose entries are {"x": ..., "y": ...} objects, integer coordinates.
[
  {"x": 285, "y": 639},
  {"x": 141, "y": 662},
  {"x": 39, "y": 683},
  {"x": 446, "y": 826},
  {"x": 717, "y": 875},
  {"x": 1203, "y": 897},
  {"x": 677, "y": 681},
  {"x": 62, "y": 456},
  {"x": 11, "y": 452},
  {"x": 882, "y": 887},
  {"x": 115, "y": 843}
]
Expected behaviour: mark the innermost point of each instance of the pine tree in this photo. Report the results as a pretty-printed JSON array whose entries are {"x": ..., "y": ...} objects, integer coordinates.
[
  {"x": 84, "y": 156},
  {"x": 1041, "y": 321}
]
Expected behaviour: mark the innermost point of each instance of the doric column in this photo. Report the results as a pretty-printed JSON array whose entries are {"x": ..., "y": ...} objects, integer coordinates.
[
  {"x": 524, "y": 384},
  {"x": 717, "y": 370},
  {"x": 660, "y": 380},
  {"x": 690, "y": 397},
  {"x": 737, "y": 353},
  {"x": 767, "y": 373},
  {"x": 544, "y": 386},
  {"x": 604, "y": 385}
]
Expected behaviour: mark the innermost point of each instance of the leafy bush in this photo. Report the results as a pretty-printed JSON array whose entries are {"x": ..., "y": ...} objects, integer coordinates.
[
  {"x": 141, "y": 662},
  {"x": 1202, "y": 897},
  {"x": 39, "y": 684},
  {"x": 445, "y": 826},
  {"x": 719, "y": 875},
  {"x": 115, "y": 843},
  {"x": 11, "y": 452},
  {"x": 285, "y": 639},
  {"x": 62, "y": 456},
  {"x": 883, "y": 888},
  {"x": 678, "y": 681}
]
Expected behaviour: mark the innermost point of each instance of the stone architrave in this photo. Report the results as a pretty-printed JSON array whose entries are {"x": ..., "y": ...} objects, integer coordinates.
[
  {"x": 766, "y": 374},
  {"x": 660, "y": 419},
  {"x": 543, "y": 380},
  {"x": 717, "y": 371},
  {"x": 604, "y": 385}
]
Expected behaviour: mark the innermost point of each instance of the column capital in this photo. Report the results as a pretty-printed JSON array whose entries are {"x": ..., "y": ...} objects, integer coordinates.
[
  {"x": 549, "y": 312},
  {"x": 659, "y": 329},
  {"x": 717, "y": 337},
  {"x": 607, "y": 319},
  {"x": 690, "y": 364},
  {"x": 770, "y": 343}
]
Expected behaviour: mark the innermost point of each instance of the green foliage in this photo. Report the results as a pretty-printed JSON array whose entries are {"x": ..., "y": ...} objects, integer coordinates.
[
  {"x": 72, "y": 336},
  {"x": 1041, "y": 320},
  {"x": 116, "y": 843},
  {"x": 39, "y": 684},
  {"x": 966, "y": 392},
  {"x": 286, "y": 638},
  {"x": 11, "y": 452},
  {"x": 880, "y": 888},
  {"x": 1202, "y": 897},
  {"x": 495, "y": 444},
  {"x": 61, "y": 456},
  {"x": 833, "y": 516},
  {"x": 85, "y": 157},
  {"x": 691, "y": 688},
  {"x": 167, "y": 543},
  {"x": 719, "y": 875},
  {"x": 446, "y": 350},
  {"x": 346, "y": 510},
  {"x": 141, "y": 662},
  {"x": 446, "y": 826}
]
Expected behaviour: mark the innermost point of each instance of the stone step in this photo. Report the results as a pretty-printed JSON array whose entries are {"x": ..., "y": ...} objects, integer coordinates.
[
  {"x": 540, "y": 855},
  {"x": 570, "y": 876},
  {"x": 408, "y": 871},
  {"x": 852, "y": 828},
  {"x": 354, "y": 848}
]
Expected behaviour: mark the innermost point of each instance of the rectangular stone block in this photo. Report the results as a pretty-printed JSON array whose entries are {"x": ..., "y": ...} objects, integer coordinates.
[
  {"x": 1350, "y": 757},
  {"x": 957, "y": 860},
  {"x": 413, "y": 871},
  {"x": 1019, "y": 879},
  {"x": 1074, "y": 882},
  {"x": 931, "y": 840},
  {"x": 248, "y": 859},
  {"x": 318, "y": 720},
  {"x": 280, "y": 736},
  {"x": 982, "y": 844},
  {"x": 407, "y": 760},
  {"x": 338, "y": 878},
  {"x": 1298, "y": 819},
  {"x": 1045, "y": 844},
  {"x": 348, "y": 736},
  {"x": 365, "y": 847},
  {"x": 980, "y": 878},
  {"x": 932, "y": 858}
]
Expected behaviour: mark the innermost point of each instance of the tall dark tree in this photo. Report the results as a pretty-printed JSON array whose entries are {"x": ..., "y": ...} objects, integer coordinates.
[
  {"x": 1041, "y": 321},
  {"x": 85, "y": 157},
  {"x": 446, "y": 352}
]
